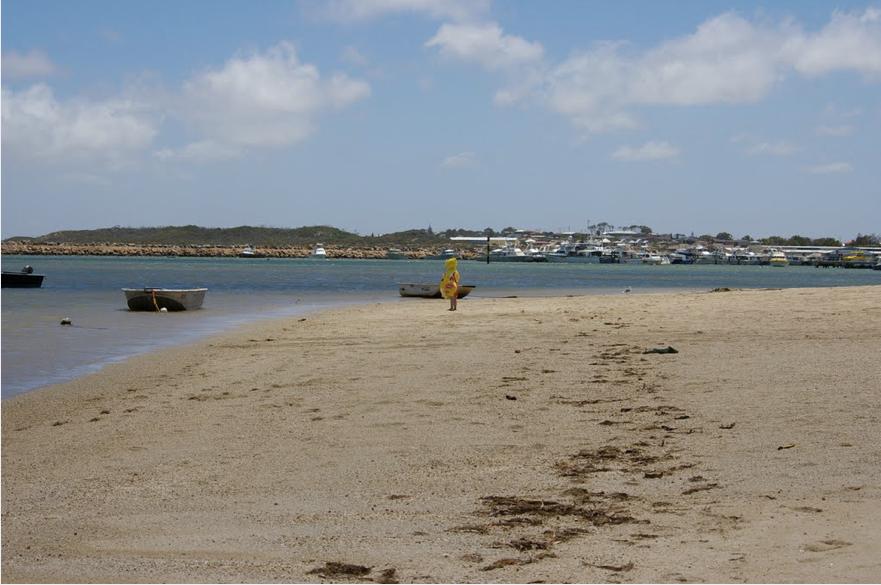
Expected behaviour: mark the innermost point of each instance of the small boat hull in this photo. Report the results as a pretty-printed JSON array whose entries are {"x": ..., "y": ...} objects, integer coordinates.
[
  {"x": 430, "y": 291},
  {"x": 154, "y": 299},
  {"x": 22, "y": 280}
]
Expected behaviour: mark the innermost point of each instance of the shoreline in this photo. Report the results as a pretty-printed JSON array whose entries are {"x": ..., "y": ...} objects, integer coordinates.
[
  {"x": 223, "y": 325},
  {"x": 276, "y": 314},
  {"x": 312, "y": 306},
  {"x": 515, "y": 440}
]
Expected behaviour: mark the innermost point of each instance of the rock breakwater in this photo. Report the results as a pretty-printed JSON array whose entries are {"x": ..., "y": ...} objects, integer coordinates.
[{"x": 196, "y": 251}]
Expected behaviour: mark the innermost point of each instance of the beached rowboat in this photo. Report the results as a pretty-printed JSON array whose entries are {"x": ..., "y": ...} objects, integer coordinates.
[
  {"x": 429, "y": 291},
  {"x": 171, "y": 299}
]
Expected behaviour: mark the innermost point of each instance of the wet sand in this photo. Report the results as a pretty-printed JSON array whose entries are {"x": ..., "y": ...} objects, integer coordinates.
[{"x": 514, "y": 440}]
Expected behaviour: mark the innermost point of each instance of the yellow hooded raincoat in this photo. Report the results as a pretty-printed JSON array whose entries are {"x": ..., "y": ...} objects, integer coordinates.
[{"x": 449, "y": 284}]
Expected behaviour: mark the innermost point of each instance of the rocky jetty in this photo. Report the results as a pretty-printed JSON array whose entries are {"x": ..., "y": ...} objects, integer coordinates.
[{"x": 117, "y": 249}]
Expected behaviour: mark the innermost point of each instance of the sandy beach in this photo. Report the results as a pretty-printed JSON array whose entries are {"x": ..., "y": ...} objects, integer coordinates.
[{"x": 515, "y": 440}]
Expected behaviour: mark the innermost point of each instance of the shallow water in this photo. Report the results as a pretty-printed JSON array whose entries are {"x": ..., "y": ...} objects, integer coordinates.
[{"x": 37, "y": 351}]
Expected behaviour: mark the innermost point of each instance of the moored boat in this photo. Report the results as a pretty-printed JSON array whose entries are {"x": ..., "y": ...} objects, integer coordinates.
[
  {"x": 778, "y": 258},
  {"x": 318, "y": 252},
  {"x": 395, "y": 254},
  {"x": 512, "y": 253},
  {"x": 23, "y": 279},
  {"x": 429, "y": 291},
  {"x": 171, "y": 299},
  {"x": 858, "y": 259},
  {"x": 250, "y": 252},
  {"x": 448, "y": 253}
]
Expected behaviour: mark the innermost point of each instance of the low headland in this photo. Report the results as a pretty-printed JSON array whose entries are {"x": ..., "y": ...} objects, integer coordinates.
[
  {"x": 571, "y": 439},
  {"x": 196, "y": 241}
]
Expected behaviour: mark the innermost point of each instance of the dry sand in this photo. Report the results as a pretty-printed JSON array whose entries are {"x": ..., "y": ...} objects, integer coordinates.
[{"x": 514, "y": 440}]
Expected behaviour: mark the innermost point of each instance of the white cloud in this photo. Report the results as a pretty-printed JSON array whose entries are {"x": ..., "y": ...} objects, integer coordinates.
[
  {"x": 652, "y": 150},
  {"x": 726, "y": 60},
  {"x": 771, "y": 149},
  {"x": 830, "y": 168},
  {"x": 260, "y": 100},
  {"x": 485, "y": 44},
  {"x": 37, "y": 126},
  {"x": 841, "y": 130},
  {"x": 360, "y": 10},
  {"x": 268, "y": 99},
  {"x": 32, "y": 64},
  {"x": 460, "y": 160},
  {"x": 850, "y": 41}
]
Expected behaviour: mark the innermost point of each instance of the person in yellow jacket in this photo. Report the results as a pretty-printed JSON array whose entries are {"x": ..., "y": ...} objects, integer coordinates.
[{"x": 449, "y": 284}]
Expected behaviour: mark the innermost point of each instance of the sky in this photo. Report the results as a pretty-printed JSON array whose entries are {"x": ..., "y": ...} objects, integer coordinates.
[{"x": 376, "y": 116}]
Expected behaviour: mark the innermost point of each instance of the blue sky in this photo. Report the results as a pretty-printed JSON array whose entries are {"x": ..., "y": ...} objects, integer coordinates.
[{"x": 381, "y": 115}]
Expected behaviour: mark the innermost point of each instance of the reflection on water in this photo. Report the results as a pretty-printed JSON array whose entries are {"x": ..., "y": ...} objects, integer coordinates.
[{"x": 36, "y": 350}]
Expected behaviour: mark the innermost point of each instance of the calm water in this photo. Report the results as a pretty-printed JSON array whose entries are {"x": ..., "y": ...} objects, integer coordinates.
[{"x": 37, "y": 351}]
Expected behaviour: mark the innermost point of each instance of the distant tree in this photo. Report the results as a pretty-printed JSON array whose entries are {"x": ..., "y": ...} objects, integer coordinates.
[
  {"x": 705, "y": 237},
  {"x": 774, "y": 241},
  {"x": 747, "y": 238},
  {"x": 799, "y": 241},
  {"x": 826, "y": 242},
  {"x": 865, "y": 240},
  {"x": 489, "y": 232},
  {"x": 430, "y": 231},
  {"x": 724, "y": 236}
]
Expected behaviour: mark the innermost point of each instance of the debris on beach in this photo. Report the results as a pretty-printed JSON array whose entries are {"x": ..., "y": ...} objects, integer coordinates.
[
  {"x": 334, "y": 569},
  {"x": 700, "y": 488},
  {"x": 502, "y": 563},
  {"x": 727, "y": 425},
  {"x": 524, "y": 544},
  {"x": 721, "y": 289},
  {"x": 668, "y": 349},
  {"x": 515, "y": 562},
  {"x": 510, "y": 397},
  {"x": 387, "y": 576},
  {"x": 617, "y": 568},
  {"x": 789, "y": 446},
  {"x": 66, "y": 321}
]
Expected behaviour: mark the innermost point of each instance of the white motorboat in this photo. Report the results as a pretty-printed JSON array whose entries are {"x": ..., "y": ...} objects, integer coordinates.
[
  {"x": 580, "y": 253},
  {"x": 395, "y": 254},
  {"x": 318, "y": 252},
  {"x": 512, "y": 253},
  {"x": 446, "y": 254},
  {"x": 654, "y": 259},
  {"x": 705, "y": 257},
  {"x": 250, "y": 252},
  {"x": 170, "y": 299}
]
